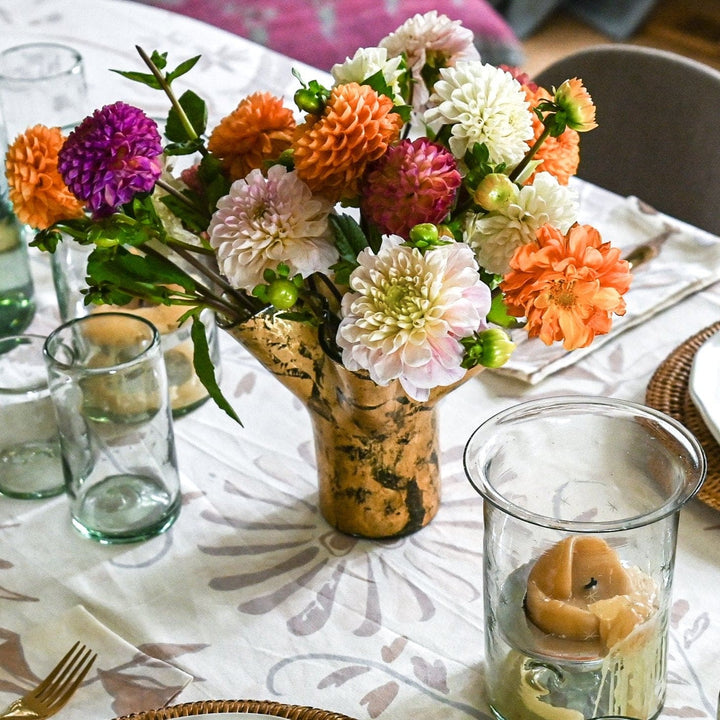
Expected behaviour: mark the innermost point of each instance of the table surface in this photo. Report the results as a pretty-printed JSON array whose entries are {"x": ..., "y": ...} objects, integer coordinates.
[{"x": 259, "y": 597}]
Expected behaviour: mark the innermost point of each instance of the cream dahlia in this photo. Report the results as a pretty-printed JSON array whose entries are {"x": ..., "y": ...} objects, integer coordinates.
[
  {"x": 496, "y": 235},
  {"x": 482, "y": 104},
  {"x": 265, "y": 221},
  {"x": 407, "y": 311},
  {"x": 368, "y": 62}
]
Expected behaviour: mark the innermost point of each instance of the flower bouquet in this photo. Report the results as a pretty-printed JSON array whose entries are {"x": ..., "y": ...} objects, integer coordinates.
[{"x": 383, "y": 232}]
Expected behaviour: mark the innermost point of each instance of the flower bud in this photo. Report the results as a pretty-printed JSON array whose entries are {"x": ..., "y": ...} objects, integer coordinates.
[
  {"x": 424, "y": 235},
  {"x": 495, "y": 192},
  {"x": 577, "y": 105}
]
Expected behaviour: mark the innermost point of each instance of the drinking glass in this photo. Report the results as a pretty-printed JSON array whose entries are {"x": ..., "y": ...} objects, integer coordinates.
[
  {"x": 17, "y": 303},
  {"x": 69, "y": 269},
  {"x": 109, "y": 387},
  {"x": 30, "y": 465},
  {"x": 581, "y": 506},
  {"x": 41, "y": 82}
]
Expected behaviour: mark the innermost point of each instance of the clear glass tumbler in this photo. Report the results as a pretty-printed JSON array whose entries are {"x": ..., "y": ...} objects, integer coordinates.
[
  {"x": 41, "y": 82},
  {"x": 69, "y": 269},
  {"x": 581, "y": 506},
  {"x": 109, "y": 387},
  {"x": 30, "y": 465},
  {"x": 17, "y": 293}
]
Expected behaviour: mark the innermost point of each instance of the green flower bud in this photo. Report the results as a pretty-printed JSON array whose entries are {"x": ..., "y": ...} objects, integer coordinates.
[
  {"x": 282, "y": 293},
  {"x": 490, "y": 348},
  {"x": 424, "y": 235},
  {"x": 308, "y": 101},
  {"x": 495, "y": 192}
]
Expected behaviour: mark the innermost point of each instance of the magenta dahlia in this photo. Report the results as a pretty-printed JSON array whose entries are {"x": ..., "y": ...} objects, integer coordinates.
[
  {"x": 111, "y": 156},
  {"x": 414, "y": 182}
]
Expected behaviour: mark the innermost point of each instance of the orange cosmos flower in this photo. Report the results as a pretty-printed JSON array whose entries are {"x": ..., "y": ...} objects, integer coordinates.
[
  {"x": 39, "y": 196},
  {"x": 567, "y": 286},
  {"x": 579, "y": 109},
  {"x": 560, "y": 155},
  {"x": 356, "y": 127},
  {"x": 259, "y": 129}
]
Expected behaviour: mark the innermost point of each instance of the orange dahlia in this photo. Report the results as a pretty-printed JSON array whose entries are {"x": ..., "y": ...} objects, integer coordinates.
[
  {"x": 567, "y": 286},
  {"x": 37, "y": 191},
  {"x": 560, "y": 155},
  {"x": 356, "y": 127},
  {"x": 259, "y": 129}
]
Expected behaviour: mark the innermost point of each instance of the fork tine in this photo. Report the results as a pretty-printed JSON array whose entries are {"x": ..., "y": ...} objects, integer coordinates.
[
  {"x": 72, "y": 683},
  {"x": 64, "y": 685},
  {"x": 56, "y": 670}
]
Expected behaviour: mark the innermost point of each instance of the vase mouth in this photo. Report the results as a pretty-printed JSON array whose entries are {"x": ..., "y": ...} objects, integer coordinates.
[{"x": 584, "y": 464}]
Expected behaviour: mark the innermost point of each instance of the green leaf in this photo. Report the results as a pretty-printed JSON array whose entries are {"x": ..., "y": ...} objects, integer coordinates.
[
  {"x": 205, "y": 370},
  {"x": 186, "y": 147},
  {"x": 144, "y": 78},
  {"x": 195, "y": 109},
  {"x": 349, "y": 237},
  {"x": 183, "y": 68},
  {"x": 159, "y": 60},
  {"x": 193, "y": 218}
]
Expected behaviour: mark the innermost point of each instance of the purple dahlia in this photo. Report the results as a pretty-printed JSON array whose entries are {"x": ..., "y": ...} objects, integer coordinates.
[
  {"x": 412, "y": 183},
  {"x": 111, "y": 156}
]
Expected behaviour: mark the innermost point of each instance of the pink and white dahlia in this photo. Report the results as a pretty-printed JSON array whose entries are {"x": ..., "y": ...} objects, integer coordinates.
[
  {"x": 496, "y": 235},
  {"x": 265, "y": 221},
  {"x": 482, "y": 104},
  {"x": 407, "y": 311},
  {"x": 414, "y": 182},
  {"x": 433, "y": 40}
]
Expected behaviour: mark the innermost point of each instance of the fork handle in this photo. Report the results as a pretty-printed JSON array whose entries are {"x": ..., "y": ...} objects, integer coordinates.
[{"x": 16, "y": 711}]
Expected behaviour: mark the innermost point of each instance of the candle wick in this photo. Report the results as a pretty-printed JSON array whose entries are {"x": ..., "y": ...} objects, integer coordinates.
[{"x": 593, "y": 583}]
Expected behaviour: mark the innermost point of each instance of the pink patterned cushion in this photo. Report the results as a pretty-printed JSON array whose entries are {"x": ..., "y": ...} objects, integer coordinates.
[{"x": 323, "y": 32}]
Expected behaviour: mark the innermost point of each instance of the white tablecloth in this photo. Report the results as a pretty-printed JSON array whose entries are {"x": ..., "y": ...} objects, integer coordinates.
[{"x": 251, "y": 593}]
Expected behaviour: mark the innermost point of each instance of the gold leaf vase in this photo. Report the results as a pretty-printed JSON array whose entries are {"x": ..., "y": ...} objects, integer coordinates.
[{"x": 376, "y": 449}]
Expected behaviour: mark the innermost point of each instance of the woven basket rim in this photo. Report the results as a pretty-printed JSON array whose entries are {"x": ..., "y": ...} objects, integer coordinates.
[
  {"x": 668, "y": 392},
  {"x": 262, "y": 707}
]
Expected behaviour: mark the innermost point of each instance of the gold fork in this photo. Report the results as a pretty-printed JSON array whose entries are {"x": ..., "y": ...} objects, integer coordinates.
[{"x": 56, "y": 689}]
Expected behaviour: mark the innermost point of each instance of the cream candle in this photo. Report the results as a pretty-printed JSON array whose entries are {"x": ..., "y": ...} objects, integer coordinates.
[
  {"x": 186, "y": 390},
  {"x": 578, "y": 589}
]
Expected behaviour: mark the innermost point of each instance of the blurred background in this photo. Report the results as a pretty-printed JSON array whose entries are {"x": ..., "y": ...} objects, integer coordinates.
[{"x": 528, "y": 33}]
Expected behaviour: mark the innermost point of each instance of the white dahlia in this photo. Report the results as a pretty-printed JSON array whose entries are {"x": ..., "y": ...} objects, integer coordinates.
[
  {"x": 265, "y": 221},
  {"x": 496, "y": 235},
  {"x": 368, "y": 62},
  {"x": 407, "y": 311},
  {"x": 482, "y": 104}
]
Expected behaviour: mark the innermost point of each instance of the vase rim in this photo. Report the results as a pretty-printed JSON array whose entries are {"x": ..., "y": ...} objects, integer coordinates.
[{"x": 482, "y": 446}]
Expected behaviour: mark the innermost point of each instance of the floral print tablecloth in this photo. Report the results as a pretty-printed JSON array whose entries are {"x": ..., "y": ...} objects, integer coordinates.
[{"x": 251, "y": 594}]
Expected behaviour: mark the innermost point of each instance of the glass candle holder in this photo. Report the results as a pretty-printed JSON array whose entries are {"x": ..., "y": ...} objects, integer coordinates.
[
  {"x": 30, "y": 465},
  {"x": 69, "y": 264},
  {"x": 110, "y": 394},
  {"x": 581, "y": 506}
]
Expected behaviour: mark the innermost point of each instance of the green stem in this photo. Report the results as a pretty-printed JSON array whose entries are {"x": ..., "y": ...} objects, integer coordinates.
[
  {"x": 530, "y": 154},
  {"x": 170, "y": 190},
  {"x": 165, "y": 86},
  {"x": 214, "y": 277}
]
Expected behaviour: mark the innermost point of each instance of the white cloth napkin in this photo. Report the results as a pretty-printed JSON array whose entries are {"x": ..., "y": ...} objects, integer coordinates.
[
  {"x": 688, "y": 260},
  {"x": 123, "y": 679}
]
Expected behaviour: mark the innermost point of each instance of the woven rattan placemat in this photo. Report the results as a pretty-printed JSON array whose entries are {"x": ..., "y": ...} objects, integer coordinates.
[
  {"x": 294, "y": 712},
  {"x": 668, "y": 391}
]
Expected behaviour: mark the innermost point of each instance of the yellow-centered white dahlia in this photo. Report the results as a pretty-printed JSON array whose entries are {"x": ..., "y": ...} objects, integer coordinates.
[{"x": 406, "y": 312}]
